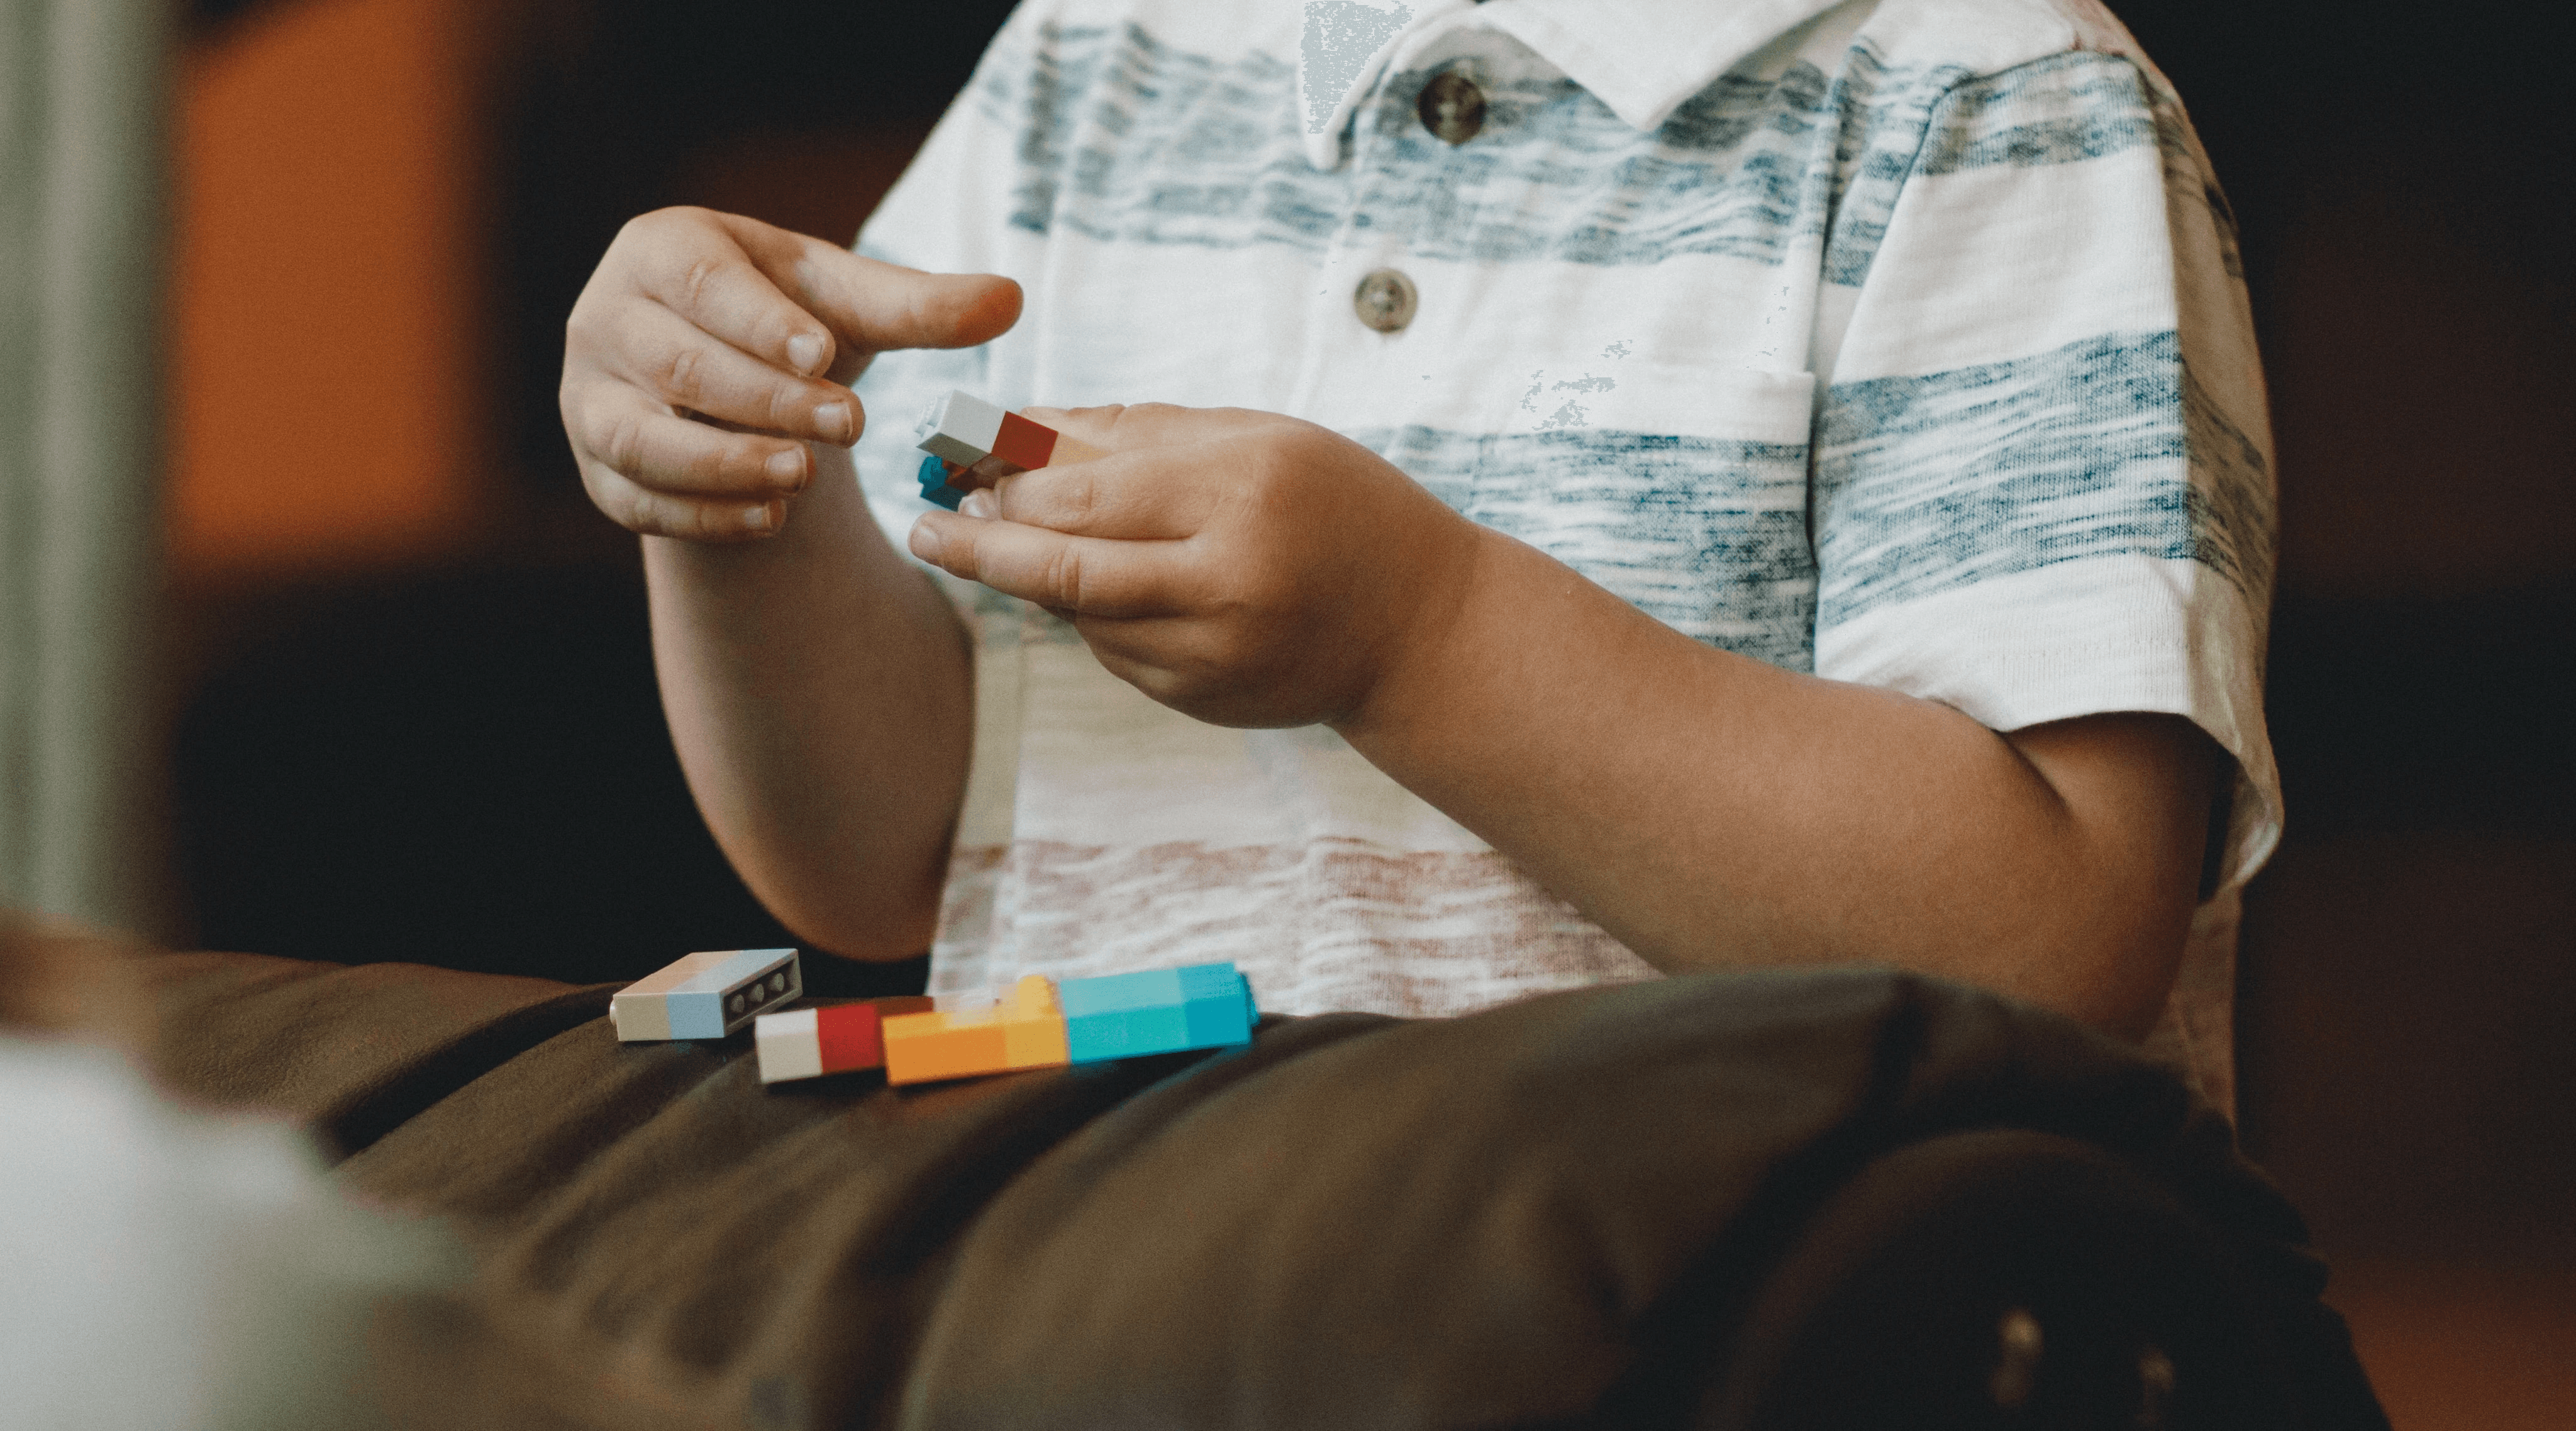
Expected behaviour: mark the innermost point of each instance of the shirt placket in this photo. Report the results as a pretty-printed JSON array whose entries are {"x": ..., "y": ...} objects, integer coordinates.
[{"x": 1363, "y": 263}]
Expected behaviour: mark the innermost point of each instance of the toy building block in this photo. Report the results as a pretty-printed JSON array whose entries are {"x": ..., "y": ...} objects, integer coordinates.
[
  {"x": 1156, "y": 1011},
  {"x": 839, "y": 1038},
  {"x": 706, "y": 995},
  {"x": 972, "y": 443},
  {"x": 979, "y": 1034}
]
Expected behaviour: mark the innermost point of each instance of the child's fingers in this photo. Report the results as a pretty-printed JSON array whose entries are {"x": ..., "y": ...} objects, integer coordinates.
[
  {"x": 875, "y": 306},
  {"x": 664, "y": 514},
  {"x": 642, "y": 441},
  {"x": 1158, "y": 495},
  {"x": 666, "y": 355},
  {"x": 694, "y": 263},
  {"x": 1090, "y": 575}
]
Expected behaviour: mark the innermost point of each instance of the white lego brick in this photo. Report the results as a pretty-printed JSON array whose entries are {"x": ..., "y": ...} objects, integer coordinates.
[
  {"x": 790, "y": 1045},
  {"x": 960, "y": 428}
]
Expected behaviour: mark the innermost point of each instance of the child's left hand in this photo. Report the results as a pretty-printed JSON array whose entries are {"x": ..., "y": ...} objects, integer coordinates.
[{"x": 1241, "y": 567}]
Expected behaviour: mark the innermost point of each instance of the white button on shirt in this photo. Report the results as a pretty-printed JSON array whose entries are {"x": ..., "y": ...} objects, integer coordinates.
[{"x": 1900, "y": 342}]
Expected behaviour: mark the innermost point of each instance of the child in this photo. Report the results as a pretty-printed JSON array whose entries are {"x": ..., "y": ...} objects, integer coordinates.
[{"x": 1764, "y": 484}]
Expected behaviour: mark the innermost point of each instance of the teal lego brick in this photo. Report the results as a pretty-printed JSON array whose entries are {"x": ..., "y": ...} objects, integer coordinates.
[
  {"x": 1127, "y": 1033},
  {"x": 1156, "y": 1011},
  {"x": 1119, "y": 993},
  {"x": 934, "y": 484},
  {"x": 1222, "y": 1015}
]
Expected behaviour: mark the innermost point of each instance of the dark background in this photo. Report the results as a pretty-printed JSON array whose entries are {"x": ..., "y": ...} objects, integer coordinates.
[
  {"x": 459, "y": 758},
  {"x": 462, "y": 761}
]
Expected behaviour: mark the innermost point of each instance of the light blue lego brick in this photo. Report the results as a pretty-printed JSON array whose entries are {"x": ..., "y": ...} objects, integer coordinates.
[{"x": 696, "y": 1015}]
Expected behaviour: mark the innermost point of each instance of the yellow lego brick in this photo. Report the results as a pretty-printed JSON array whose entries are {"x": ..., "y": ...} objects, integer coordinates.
[
  {"x": 977, "y": 1037},
  {"x": 1033, "y": 1034}
]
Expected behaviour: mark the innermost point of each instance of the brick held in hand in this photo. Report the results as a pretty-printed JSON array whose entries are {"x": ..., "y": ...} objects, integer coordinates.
[
  {"x": 977, "y": 444},
  {"x": 935, "y": 489},
  {"x": 960, "y": 428}
]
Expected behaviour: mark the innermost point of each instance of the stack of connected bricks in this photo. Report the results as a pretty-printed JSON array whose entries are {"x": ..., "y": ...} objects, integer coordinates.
[
  {"x": 973, "y": 443},
  {"x": 1038, "y": 1024}
]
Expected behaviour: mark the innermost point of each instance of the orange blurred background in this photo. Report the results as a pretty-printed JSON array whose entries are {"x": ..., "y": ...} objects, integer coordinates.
[{"x": 328, "y": 265}]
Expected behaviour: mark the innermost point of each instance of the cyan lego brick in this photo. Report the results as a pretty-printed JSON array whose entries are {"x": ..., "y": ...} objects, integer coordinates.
[
  {"x": 1223, "y": 1015},
  {"x": 1117, "y": 993},
  {"x": 1156, "y": 1011},
  {"x": 1127, "y": 1033}
]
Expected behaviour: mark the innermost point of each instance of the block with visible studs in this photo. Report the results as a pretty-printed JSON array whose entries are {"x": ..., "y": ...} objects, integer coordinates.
[{"x": 706, "y": 995}]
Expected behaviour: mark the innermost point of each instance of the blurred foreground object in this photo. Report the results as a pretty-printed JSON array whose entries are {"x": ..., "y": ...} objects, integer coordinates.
[
  {"x": 176, "y": 1269},
  {"x": 60, "y": 980}
]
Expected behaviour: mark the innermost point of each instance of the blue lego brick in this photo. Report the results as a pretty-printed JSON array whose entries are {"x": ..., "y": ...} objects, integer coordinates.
[
  {"x": 1156, "y": 1011},
  {"x": 934, "y": 485}
]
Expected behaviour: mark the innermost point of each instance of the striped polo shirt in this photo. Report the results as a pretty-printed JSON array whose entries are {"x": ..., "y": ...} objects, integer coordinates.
[{"x": 1899, "y": 341}]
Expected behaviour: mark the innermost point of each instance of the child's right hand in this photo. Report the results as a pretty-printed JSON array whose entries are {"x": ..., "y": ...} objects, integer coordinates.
[{"x": 709, "y": 348}]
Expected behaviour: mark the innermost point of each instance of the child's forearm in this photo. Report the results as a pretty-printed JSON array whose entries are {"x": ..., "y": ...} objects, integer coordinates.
[
  {"x": 1709, "y": 809},
  {"x": 1251, "y": 569},
  {"x": 819, "y": 689}
]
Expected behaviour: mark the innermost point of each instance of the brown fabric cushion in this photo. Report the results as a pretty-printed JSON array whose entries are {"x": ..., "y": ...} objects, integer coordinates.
[
  {"x": 1554, "y": 1213},
  {"x": 351, "y": 1050}
]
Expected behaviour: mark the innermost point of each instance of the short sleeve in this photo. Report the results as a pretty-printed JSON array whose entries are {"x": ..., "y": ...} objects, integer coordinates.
[{"x": 2042, "y": 470}]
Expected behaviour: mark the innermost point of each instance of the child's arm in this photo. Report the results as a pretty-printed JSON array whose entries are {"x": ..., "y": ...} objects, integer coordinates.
[
  {"x": 818, "y": 687},
  {"x": 1702, "y": 806}
]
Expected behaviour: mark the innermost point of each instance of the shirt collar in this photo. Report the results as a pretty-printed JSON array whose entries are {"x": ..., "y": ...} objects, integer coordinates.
[{"x": 1642, "y": 58}]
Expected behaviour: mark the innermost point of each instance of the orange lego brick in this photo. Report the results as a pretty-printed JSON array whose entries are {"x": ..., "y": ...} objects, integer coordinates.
[
  {"x": 970, "y": 1036},
  {"x": 923, "y": 1048}
]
